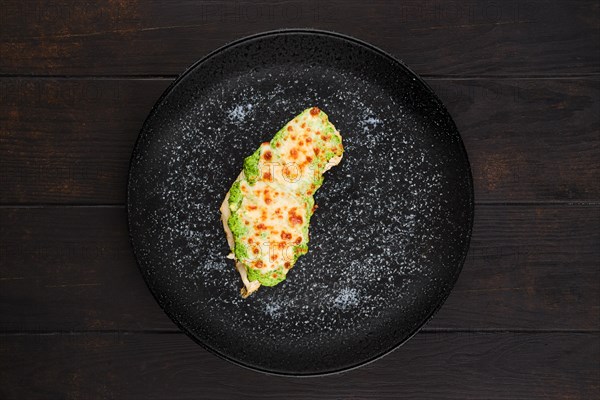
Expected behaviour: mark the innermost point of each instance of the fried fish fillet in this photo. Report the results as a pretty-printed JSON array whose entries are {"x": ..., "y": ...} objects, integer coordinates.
[{"x": 267, "y": 211}]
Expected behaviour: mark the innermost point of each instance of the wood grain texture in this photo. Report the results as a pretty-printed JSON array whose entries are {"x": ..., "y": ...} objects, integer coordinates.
[
  {"x": 157, "y": 37},
  {"x": 72, "y": 269},
  {"x": 521, "y": 78},
  {"x": 529, "y": 268},
  {"x": 66, "y": 141},
  {"x": 430, "y": 366}
]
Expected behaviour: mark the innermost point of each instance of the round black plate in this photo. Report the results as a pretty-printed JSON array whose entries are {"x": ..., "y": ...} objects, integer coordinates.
[{"x": 394, "y": 220}]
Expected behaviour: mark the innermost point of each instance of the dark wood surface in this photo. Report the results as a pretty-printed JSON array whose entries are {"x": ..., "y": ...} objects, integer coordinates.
[
  {"x": 529, "y": 268},
  {"x": 520, "y": 78},
  {"x": 69, "y": 140},
  {"x": 453, "y": 365}
]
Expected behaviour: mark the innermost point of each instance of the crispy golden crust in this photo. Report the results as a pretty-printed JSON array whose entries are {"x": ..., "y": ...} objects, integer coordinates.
[
  {"x": 249, "y": 287},
  {"x": 266, "y": 223}
]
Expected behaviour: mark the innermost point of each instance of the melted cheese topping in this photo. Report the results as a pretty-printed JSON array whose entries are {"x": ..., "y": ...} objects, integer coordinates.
[
  {"x": 275, "y": 219},
  {"x": 277, "y": 193}
]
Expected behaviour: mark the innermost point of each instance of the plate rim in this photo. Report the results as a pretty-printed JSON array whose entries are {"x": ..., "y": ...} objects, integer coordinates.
[{"x": 355, "y": 41}]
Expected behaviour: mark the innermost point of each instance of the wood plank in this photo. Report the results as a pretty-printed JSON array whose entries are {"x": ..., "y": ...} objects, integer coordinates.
[
  {"x": 430, "y": 366},
  {"x": 529, "y": 268},
  {"x": 528, "y": 140},
  {"x": 69, "y": 141},
  {"x": 475, "y": 37},
  {"x": 71, "y": 269}
]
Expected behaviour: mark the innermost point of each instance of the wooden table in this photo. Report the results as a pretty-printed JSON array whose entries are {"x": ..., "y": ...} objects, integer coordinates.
[{"x": 521, "y": 79}]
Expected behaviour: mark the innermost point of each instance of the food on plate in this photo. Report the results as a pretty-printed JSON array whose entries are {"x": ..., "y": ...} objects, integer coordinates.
[{"x": 267, "y": 210}]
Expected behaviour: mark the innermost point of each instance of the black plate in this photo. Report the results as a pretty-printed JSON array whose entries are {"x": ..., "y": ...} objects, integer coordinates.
[{"x": 394, "y": 220}]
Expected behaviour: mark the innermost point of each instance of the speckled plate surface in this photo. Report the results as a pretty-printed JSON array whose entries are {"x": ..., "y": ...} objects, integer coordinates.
[{"x": 394, "y": 220}]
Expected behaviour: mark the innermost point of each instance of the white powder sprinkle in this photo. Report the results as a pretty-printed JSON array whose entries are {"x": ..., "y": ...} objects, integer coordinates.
[
  {"x": 239, "y": 112},
  {"x": 347, "y": 297}
]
